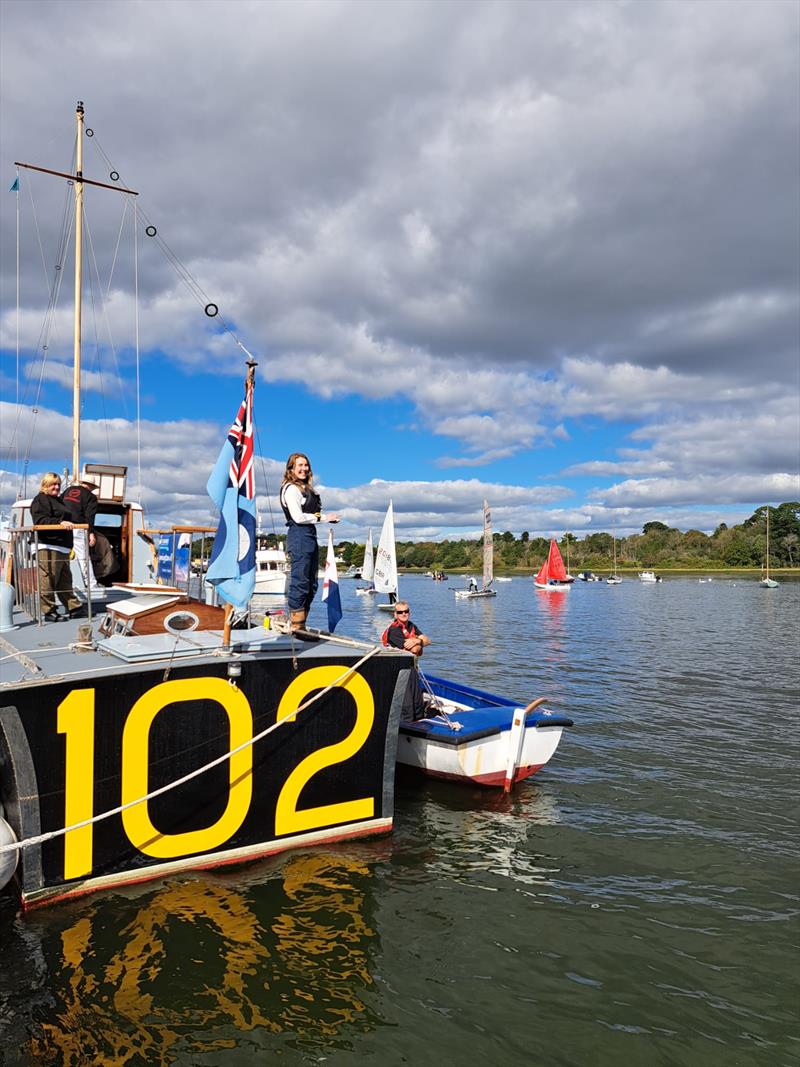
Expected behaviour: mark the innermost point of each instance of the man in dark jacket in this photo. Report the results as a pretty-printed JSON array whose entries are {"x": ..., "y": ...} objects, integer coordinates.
[
  {"x": 53, "y": 549},
  {"x": 81, "y": 504}
]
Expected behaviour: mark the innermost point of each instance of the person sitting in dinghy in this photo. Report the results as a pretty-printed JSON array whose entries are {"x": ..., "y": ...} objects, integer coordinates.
[{"x": 403, "y": 633}]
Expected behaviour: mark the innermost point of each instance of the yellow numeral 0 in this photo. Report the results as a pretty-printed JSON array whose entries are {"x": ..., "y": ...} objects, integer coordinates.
[
  {"x": 136, "y": 820},
  {"x": 288, "y": 819}
]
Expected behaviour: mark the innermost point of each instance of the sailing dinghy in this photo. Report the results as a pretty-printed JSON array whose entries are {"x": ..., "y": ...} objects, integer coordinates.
[
  {"x": 614, "y": 578},
  {"x": 767, "y": 582},
  {"x": 477, "y": 737},
  {"x": 367, "y": 569},
  {"x": 488, "y": 562},
  {"x": 385, "y": 576},
  {"x": 552, "y": 573}
]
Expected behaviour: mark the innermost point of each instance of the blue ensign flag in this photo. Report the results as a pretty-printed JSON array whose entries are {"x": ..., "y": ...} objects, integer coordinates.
[
  {"x": 330, "y": 587},
  {"x": 232, "y": 567}
]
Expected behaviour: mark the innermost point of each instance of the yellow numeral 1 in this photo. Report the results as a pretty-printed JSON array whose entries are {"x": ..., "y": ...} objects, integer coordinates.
[{"x": 76, "y": 720}]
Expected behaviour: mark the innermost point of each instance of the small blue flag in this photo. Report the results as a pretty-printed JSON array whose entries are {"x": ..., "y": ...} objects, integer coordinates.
[
  {"x": 330, "y": 587},
  {"x": 15, "y": 185},
  {"x": 232, "y": 567}
]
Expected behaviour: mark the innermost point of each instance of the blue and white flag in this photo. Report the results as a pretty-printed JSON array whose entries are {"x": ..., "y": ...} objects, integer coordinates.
[
  {"x": 15, "y": 185},
  {"x": 330, "y": 587},
  {"x": 232, "y": 567}
]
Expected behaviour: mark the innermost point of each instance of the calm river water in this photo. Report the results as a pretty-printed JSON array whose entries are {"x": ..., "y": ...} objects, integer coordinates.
[{"x": 631, "y": 904}]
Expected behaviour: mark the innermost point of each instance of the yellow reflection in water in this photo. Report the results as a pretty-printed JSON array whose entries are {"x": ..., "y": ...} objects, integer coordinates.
[{"x": 203, "y": 962}]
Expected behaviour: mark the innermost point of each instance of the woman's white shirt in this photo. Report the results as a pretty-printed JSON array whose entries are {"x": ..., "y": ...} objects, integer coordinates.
[{"x": 293, "y": 499}]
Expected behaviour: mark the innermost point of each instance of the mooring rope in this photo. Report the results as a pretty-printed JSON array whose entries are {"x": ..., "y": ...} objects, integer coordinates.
[{"x": 39, "y": 839}]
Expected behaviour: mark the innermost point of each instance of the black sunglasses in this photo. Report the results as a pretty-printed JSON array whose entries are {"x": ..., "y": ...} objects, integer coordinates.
[{"x": 401, "y": 612}]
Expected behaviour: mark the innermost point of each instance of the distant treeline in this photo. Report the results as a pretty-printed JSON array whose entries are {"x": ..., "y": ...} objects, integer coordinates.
[{"x": 658, "y": 545}]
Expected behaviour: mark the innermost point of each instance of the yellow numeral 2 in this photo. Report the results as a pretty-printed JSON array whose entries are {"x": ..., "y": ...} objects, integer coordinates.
[{"x": 287, "y": 818}]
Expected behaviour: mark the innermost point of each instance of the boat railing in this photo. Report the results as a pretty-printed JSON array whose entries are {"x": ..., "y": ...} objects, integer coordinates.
[{"x": 19, "y": 567}]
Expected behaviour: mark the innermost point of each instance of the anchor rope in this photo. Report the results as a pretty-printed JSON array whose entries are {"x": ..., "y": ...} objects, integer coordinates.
[{"x": 29, "y": 842}]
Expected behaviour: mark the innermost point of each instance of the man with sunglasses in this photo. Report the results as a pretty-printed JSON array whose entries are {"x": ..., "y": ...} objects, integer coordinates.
[{"x": 403, "y": 633}]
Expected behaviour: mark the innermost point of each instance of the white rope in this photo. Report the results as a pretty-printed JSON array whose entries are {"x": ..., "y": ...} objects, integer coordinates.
[{"x": 29, "y": 842}]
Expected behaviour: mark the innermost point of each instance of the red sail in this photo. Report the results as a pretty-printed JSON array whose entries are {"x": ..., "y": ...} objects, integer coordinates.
[
  {"x": 555, "y": 564},
  {"x": 553, "y": 567}
]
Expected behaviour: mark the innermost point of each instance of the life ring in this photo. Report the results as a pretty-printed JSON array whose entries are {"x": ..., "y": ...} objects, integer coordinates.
[{"x": 8, "y": 860}]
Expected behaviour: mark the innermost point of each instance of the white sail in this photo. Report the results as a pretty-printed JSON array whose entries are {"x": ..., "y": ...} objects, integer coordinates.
[
  {"x": 488, "y": 547},
  {"x": 385, "y": 577},
  {"x": 368, "y": 569}
]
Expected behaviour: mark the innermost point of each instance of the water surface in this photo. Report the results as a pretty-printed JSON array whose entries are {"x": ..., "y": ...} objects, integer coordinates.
[{"x": 633, "y": 903}]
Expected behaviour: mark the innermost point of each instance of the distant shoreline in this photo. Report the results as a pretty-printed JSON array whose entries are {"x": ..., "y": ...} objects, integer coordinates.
[{"x": 630, "y": 572}]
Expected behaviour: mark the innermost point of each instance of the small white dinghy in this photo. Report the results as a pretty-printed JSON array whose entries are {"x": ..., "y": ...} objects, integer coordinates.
[
  {"x": 367, "y": 569},
  {"x": 384, "y": 578},
  {"x": 476, "y": 737}
]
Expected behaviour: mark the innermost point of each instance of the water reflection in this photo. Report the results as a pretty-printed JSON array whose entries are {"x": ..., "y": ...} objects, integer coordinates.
[
  {"x": 472, "y": 832},
  {"x": 192, "y": 966}
]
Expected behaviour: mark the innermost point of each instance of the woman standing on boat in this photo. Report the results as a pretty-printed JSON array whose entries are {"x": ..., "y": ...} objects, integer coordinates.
[
  {"x": 303, "y": 510},
  {"x": 53, "y": 550}
]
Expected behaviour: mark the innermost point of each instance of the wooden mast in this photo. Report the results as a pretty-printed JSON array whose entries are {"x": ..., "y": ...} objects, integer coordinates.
[
  {"x": 76, "y": 366},
  {"x": 79, "y": 181}
]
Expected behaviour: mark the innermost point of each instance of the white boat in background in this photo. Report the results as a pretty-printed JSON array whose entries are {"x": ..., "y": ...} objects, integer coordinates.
[
  {"x": 588, "y": 576},
  {"x": 488, "y": 563},
  {"x": 767, "y": 582},
  {"x": 614, "y": 578},
  {"x": 385, "y": 576},
  {"x": 367, "y": 569},
  {"x": 649, "y": 576},
  {"x": 501, "y": 580},
  {"x": 478, "y": 738},
  {"x": 272, "y": 571},
  {"x": 552, "y": 574}
]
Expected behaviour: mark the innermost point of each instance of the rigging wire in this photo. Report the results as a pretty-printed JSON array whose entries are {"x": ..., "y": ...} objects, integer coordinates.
[
  {"x": 16, "y": 438},
  {"x": 45, "y": 334},
  {"x": 183, "y": 272},
  {"x": 104, "y": 308},
  {"x": 266, "y": 481},
  {"x": 136, "y": 331},
  {"x": 48, "y": 326},
  {"x": 97, "y": 351}
]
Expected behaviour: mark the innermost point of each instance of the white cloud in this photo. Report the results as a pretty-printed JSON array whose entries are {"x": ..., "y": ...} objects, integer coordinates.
[{"x": 527, "y": 224}]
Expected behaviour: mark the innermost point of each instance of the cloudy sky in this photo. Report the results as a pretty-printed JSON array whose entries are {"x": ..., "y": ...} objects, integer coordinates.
[{"x": 543, "y": 253}]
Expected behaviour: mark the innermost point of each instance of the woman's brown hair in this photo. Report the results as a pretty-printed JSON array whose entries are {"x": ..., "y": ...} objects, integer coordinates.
[{"x": 288, "y": 474}]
